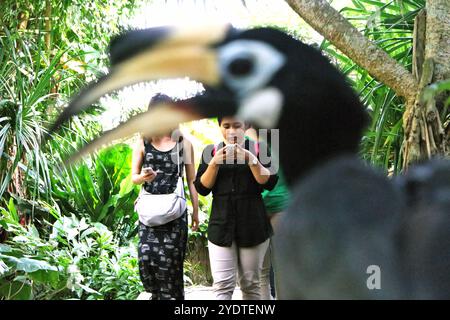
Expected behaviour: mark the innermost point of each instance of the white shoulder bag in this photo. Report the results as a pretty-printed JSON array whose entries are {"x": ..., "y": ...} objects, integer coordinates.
[{"x": 159, "y": 209}]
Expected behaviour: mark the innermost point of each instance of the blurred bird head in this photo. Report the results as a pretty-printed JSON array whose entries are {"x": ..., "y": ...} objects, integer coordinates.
[
  {"x": 263, "y": 76},
  {"x": 339, "y": 228},
  {"x": 424, "y": 236}
]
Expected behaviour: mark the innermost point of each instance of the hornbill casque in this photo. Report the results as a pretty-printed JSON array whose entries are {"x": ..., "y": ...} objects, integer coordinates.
[{"x": 344, "y": 216}]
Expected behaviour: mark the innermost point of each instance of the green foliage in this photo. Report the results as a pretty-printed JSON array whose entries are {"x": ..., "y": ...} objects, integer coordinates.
[
  {"x": 78, "y": 259},
  {"x": 390, "y": 25},
  {"x": 39, "y": 72},
  {"x": 35, "y": 83},
  {"x": 24, "y": 91},
  {"x": 101, "y": 191},
  {"x": 83, "y": 26},
  {"x": 48, "y": 51}
]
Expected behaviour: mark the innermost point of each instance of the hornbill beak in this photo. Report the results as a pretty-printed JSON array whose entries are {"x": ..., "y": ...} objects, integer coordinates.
[
  {"x": 152, "y": 54},
  {"x": 161, "y": 119}
]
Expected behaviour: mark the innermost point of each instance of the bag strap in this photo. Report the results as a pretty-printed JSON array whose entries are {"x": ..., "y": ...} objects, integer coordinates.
[
  {"x": 180, "y": 176},
  {"x": 180, "y": 167}
]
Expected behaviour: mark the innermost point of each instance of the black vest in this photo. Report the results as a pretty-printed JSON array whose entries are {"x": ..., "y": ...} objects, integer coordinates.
[{"x": 166, "y": 164}]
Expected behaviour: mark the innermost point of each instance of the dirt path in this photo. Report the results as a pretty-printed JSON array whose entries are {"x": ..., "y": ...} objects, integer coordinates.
[{"x": 197, "y": 293}]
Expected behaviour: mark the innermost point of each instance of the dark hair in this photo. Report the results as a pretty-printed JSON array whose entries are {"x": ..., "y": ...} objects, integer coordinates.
[
  {"x": 220, "y": 119},
  {"x": 159, "y": 98}
]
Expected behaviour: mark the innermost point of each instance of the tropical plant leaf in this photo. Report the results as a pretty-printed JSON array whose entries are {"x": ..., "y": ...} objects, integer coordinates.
[
  {"x": 15, "y": 290},
  {"x": 28, "y": 265}
]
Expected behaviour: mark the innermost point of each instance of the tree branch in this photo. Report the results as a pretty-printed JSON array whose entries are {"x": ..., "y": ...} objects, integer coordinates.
[
  {"x": 336, "y": 29},
  {"x": 438, "y": 40}
]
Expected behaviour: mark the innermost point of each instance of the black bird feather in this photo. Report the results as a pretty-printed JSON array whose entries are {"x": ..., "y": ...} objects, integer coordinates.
[
  {"x": 424, "y": 240},
  {"x": 120, "y": 49},
  {"x": 343, "y": 218},
  {"x": 322, "y": 116}
]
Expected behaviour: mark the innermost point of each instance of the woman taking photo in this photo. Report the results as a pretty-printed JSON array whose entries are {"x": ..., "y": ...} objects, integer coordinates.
[
  {"x": 238, "y": 229},
  {"x": 156, "y": 165}
]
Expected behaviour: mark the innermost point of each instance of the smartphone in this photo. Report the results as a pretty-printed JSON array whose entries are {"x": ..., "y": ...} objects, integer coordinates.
[
  {"x": 147, "y": 169},
  {"x": 231, "y": 147}
]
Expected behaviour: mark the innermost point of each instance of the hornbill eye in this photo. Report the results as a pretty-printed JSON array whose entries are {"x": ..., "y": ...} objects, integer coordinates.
[
  {"x": 247, "y": 65},
  {"x": 241, "y": 66}
]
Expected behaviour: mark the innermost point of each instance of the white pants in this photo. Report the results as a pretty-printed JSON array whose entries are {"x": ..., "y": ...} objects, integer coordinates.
[
  {"x": 267, "y": 264},
  {"x": 227, "y": 261},
  {"x": 265, "y": 275}
]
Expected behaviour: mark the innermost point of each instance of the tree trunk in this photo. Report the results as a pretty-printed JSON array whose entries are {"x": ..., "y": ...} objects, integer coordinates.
[
  {"x": 438, "y": 37},
  {"x": 425, "y": 135}
]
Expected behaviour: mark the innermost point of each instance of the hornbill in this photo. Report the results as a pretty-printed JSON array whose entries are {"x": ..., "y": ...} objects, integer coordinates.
[{"x": 344, "y": 217}]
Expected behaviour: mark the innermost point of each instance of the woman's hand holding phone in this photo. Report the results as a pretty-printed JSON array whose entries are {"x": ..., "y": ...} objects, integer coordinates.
[{"x": 148, "y": 174}]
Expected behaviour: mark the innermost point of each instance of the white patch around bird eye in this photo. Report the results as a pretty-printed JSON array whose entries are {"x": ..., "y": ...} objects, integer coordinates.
[
  {"x": 266, "y": 61},
  {"x": 262, "y": 107}
]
